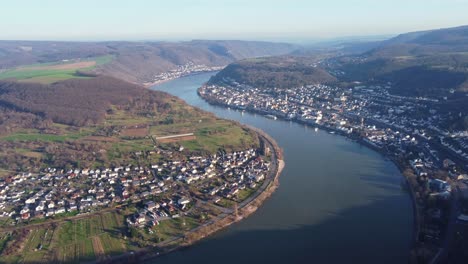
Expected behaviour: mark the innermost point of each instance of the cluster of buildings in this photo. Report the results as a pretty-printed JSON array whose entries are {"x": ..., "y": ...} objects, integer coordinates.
[
  {"x": 411, "y": 131},
  {"x": 165, "y": 188},
  {"x": 381, "y": 119},
  {"x": 219, "y": 177},
  {"x": 184, "y": 70}
]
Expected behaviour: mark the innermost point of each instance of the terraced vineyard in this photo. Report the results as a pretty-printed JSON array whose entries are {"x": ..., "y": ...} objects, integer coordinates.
[{"x": 70, "y": 242}]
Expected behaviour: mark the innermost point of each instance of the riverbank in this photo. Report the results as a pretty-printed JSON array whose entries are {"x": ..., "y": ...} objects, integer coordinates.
[
  {"x": 242, "y": 211},
  {"x": 252, "y": 203},
  {"x": 331, "y": 185},
  {"x": 398, "y": 163},
  {"x": 150, "y": 84}
]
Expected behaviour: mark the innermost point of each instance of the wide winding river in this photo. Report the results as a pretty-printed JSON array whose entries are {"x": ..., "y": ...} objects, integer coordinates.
[{"x": 338, "y": 202}]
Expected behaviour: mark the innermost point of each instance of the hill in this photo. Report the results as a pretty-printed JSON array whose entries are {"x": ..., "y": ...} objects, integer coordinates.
[
  {"x": 429, "y": 63},
  {"x": 140, "y": 63},
  {"x": 101, "y": 121},
  {"x": 136, "y": 62},
  {"x": 73, "y": 102},
  {"x": 423, "y": 42},
  {"x": 282, "y": 72}
]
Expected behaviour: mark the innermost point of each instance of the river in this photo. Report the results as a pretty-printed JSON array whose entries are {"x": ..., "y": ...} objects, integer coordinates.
[{"x": 338, "y": 201}]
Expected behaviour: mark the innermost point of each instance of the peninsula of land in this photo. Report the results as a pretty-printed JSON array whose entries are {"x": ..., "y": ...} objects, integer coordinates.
[{"x": 94, "y": 167}]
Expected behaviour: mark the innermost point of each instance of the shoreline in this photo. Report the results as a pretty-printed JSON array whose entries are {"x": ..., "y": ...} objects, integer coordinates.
[
  {"x": 219, "y": 223},
  {"x": 247, "y": 207},
  {"x": 151, "y": 84},
  {"x": 400, "y": 166}
]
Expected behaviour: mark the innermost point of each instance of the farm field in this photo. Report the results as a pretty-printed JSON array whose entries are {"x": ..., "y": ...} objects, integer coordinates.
[
  {"x": 124, "y": 134},
  {"x": 36, "y": 136},
  {"x": 53, "y": 72},
  {"x": 244, "y": 194},
  {"x": 209, "y": 135},
  {"x": 227, "y": 203},
  {"x": 70, "y": 242},
  {"x": 169, "y": 228}
]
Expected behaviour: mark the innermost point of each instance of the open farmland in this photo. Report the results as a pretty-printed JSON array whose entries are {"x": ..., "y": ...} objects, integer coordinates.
[
  {"x": 209, "y": 134},
  {"x": 84, "y": 239},
  {"x": 53, "y": 72},
  {"x": 135, "y": 131},
  {"x": 70, "y": 242}
]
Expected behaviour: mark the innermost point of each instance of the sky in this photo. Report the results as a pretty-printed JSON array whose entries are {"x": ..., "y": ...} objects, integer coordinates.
[{"x": 291, "y": 20}]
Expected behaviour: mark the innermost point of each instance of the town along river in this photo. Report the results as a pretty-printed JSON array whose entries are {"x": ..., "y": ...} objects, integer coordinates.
[{"x": 338, "y": 201}]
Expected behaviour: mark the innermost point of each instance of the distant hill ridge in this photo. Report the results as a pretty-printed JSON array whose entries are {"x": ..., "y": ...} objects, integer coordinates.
[
  {"x": 425, "y": 42},
  {"x": 138, "y": 62},
  {"x": 445, "y": 36},
  {"x": 430, "y": 63}
]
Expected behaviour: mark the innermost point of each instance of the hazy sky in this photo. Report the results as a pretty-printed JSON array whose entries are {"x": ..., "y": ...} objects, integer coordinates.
[{"x": 222, "y": 19}]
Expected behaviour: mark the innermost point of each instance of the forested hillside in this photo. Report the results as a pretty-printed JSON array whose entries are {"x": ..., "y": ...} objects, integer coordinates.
[
  {"x": 137, "y": 62},
  {"x": 282, "y": 72},
  {"x": 101, "y": 122},
  {"x": 428, "y": 63}
]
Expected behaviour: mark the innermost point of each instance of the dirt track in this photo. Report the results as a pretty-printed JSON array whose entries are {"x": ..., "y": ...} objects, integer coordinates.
[
  {"x": 171, "y": 140},
  {"x": 135, "y": 132},
  {"x": 98, "y": 248}
]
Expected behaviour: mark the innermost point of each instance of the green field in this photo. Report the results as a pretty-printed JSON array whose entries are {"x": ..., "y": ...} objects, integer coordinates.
[
  {"x": 211, "y": 135},
  {"x": 62, "y": 134},
  {"x": 226, "y": 203},
  {"x": 244, "y": 194},
  {"x": 4, "y": 238},
  {"x": 74, "y": 239},
  {"x": 170, "y": 228},
  {"x": 70, "y": 242},
  {"x": 114, "y": 137},
  {"x": 35, "y": 247},
  {"x": 39, "y": 137},
  {"x": 52, "y": 72}
]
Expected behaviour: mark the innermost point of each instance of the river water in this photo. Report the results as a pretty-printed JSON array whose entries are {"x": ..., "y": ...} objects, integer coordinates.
[{"x": 338, "y": 201}]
